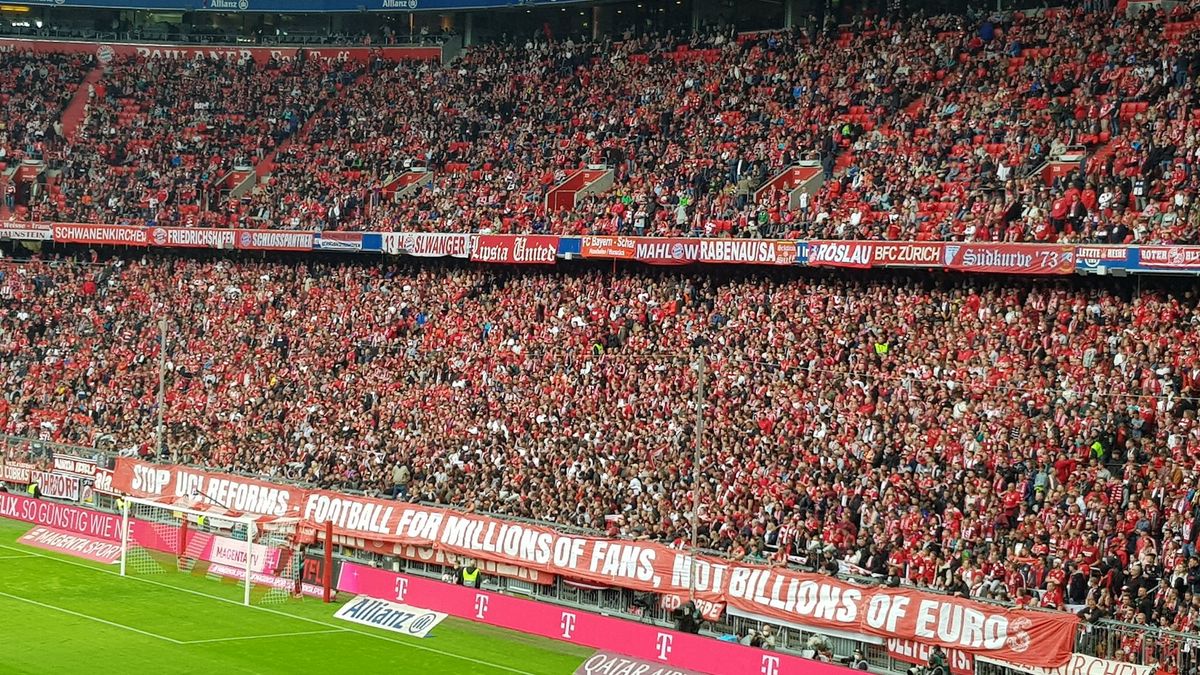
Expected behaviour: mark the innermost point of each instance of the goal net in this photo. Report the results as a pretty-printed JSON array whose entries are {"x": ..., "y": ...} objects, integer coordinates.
[{"x": 259, "y": 553}]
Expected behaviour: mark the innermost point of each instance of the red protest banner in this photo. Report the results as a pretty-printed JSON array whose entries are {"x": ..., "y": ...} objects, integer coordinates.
[
  {"x": 153, "y": 481},
  {"x": 1020, "y": 636},
  {"x": 80, "y": 233},
  {"x": 534, "y": 249}
]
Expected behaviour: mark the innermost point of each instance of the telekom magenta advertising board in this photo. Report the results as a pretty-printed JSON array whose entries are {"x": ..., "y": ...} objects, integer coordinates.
[{"x": 641, "y": 641}]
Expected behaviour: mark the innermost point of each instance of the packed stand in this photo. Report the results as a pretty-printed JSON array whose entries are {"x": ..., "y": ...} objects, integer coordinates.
[
  {"x": 160, "y": 133},
  {"x": 1025, "y": 90},
  {"x": 687, "y": 124},
  {"x": 34, "y": 91},
  {"x": 1024, "y": 442},
  {"x": 692, "y": 126}
]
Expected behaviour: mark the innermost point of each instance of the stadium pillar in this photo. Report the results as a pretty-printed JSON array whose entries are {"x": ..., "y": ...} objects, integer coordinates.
[
  {"x": 696, "y": 471},
  {"x": 327, "y": 581},
  {"x": 468, "y": 29},
  {"x": 162, "y": 380}
]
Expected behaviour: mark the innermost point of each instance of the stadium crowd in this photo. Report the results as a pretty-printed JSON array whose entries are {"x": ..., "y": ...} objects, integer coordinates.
[
  {"x": 34, "y": 90},
  {"x": 159, "y": 133},
  {"x": 690, "y": 125},
  {"x": 1031, "y": 442}
]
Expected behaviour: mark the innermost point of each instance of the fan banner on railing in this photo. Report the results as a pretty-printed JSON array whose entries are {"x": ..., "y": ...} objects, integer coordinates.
[
  {"x": 974, "y": 257},
  {"x": 1079, "y": 664},
  {"x": 917, "y": 653},
  {"x": 105, "y": 53},
  {"x": 533, "y": 249},
  {"x": 1021, "y": 636},
  {"x": 1170, "y": 257},
  {"x": 1000, "y": 258},
  {"x": 192, "y": 237},
  {"x": 1009, "y": 258},
  {"x": 862, "y": 254},
  {"x": 26, "y": 231},
  {"x": 116, "y": 235},
  {"x": 683, "y": 250},
  {"x": 428, "y": 244},
  {"x": 275, "y": 240}
]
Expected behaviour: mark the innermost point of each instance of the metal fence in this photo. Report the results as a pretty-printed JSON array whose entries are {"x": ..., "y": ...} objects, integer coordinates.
[{"x": 1105, "y": 639}]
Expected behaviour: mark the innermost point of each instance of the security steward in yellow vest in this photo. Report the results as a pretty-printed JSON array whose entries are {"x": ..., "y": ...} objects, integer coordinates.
[
  {"x": 469, "y": 576},
  {"x": 34, "y": 491}
]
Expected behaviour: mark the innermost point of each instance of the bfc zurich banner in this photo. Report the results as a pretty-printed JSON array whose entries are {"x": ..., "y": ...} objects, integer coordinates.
[
  {"x": 863, "y": 254},
  {"x": 1016, "y": 635}
]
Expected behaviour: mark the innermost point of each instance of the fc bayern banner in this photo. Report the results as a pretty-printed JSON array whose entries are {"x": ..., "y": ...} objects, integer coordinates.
[
  {"x": 608, "y": 248},
  {"x": 1169, "y": 257},
  {"x": 1021, "y": 636},
  {"x": 682, "y": 250},
  {"x": 864, "y": 254},
  {"x": 275, "y": 240},
  {"x": 192, "y": 237}
]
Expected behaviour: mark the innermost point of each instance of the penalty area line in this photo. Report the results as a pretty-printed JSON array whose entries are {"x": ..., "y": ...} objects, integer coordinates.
[
  {"x": 89, "y": 617},
  {"x": 401, "y": 643}
]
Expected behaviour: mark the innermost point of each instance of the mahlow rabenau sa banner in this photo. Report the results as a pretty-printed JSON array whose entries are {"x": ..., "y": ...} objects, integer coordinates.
[{"x": 1019, "y": 636}]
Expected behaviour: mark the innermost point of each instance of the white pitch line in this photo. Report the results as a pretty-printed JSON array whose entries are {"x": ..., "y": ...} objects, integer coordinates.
[
  {"x": 263, "y": 637},
  {"x": 16, "y": 557},
  {"x": 377, "y": 636},
  {"x": 91, "y": 618}
]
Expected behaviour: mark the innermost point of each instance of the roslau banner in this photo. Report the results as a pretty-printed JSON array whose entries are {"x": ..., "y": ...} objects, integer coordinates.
[{"x": 1027, "y": 637}]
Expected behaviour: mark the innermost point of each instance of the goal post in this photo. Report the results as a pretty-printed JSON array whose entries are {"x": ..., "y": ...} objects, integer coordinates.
[{"x": 257, "y": 552}]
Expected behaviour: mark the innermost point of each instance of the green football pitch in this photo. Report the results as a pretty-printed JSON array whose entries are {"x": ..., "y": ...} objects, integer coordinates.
[{"x": 64, "y": 615}]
